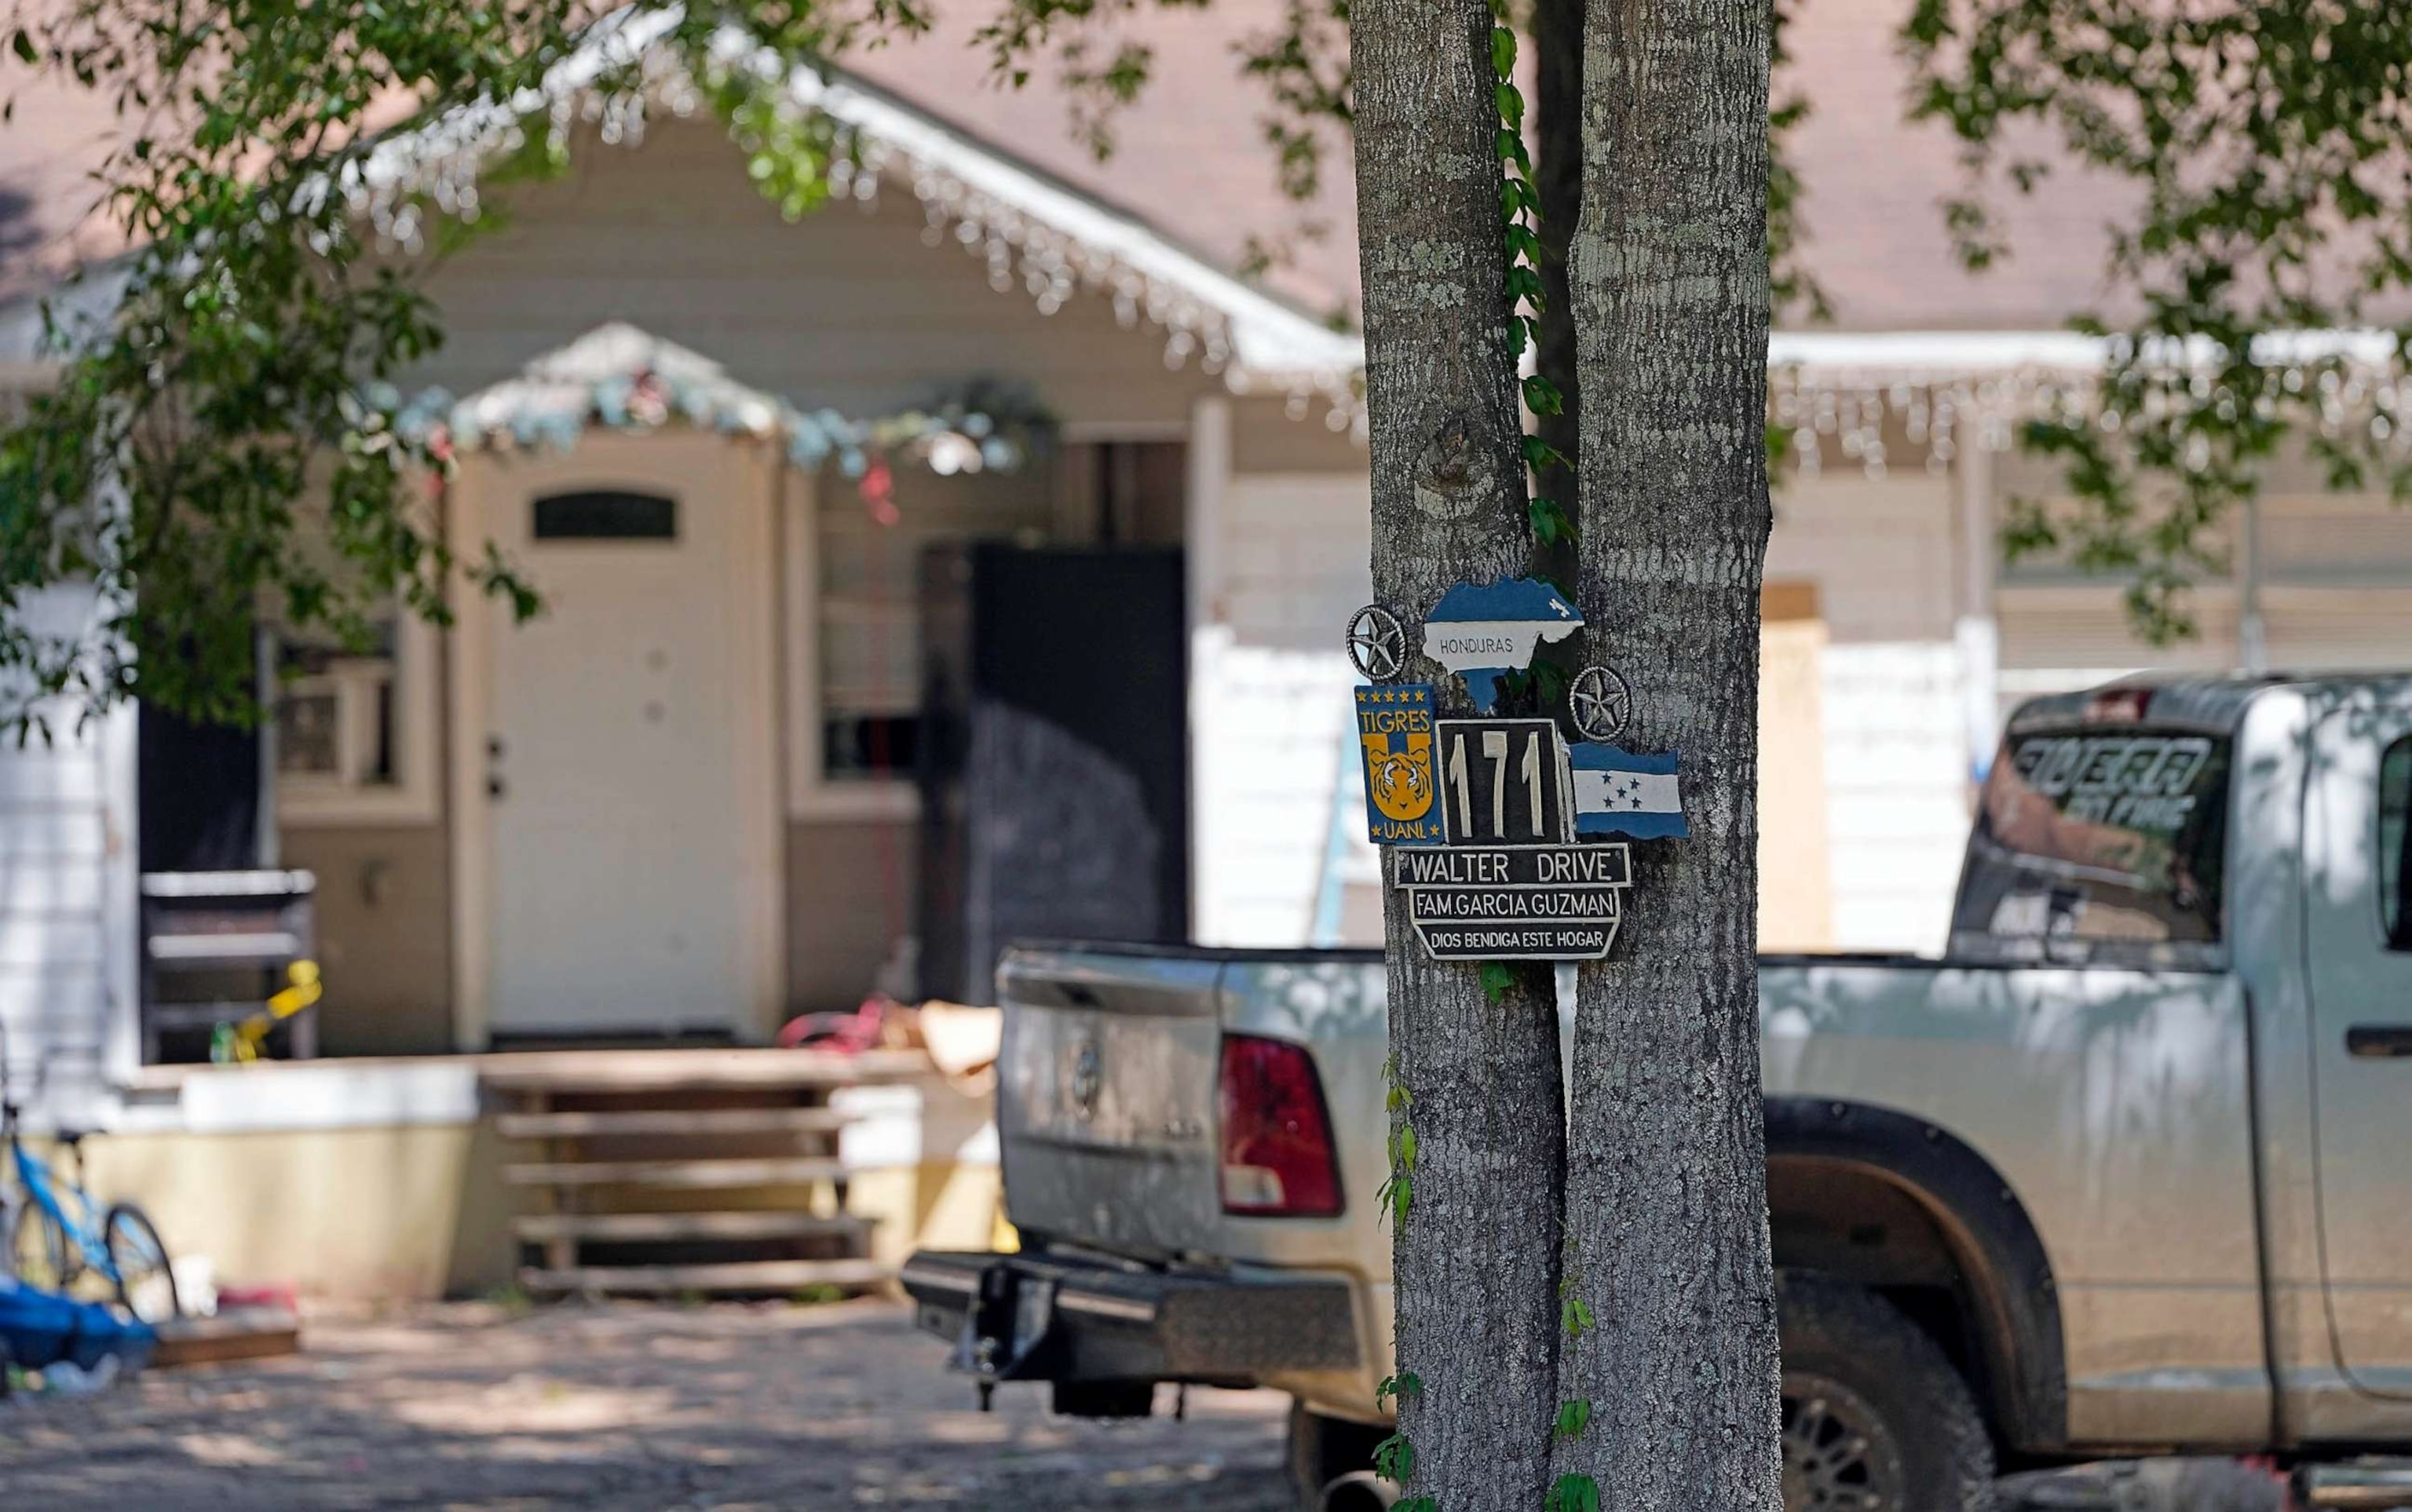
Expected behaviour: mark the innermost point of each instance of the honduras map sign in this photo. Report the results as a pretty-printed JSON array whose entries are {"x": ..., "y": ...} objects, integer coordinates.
[{"x": 1479, "y": 633}]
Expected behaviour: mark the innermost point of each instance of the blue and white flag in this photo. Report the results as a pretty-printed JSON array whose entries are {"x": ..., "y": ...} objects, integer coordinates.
[
  {"x": 1479, "y": 633},
  {"x": 1620, "y": 793}
]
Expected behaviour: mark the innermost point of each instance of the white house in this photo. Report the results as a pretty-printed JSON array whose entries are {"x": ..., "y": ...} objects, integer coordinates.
[{"x": 675, "y": 802}]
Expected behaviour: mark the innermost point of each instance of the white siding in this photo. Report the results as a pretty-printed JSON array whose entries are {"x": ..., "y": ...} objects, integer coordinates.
[
  {"x": 1270, "y": 726},
  {"x": 1271, "y": 701},
  {"x": 1881, "y": 553},
  {"x": 1297, "y": 557},
  {"x": 67, "y": 905},
  {"x": 846, "y": 308},
  {"x": 1896, "y": 792}
]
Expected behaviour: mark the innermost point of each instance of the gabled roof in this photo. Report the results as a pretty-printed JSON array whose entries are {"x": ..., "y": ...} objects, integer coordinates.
[
  {"x": 1191, "y": 167},
  {"x": 1192, "y": 180},
  {"x": 1058, "y": 236}
]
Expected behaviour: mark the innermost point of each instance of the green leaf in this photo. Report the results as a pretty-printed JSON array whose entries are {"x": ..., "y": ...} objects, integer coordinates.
[
  {"x": 1503, "y": 52},
  {"x": 1541, "y": 396},
  {"x": 1497, "y": 976},
  {"x": 1407, "y": 1160},
  {"x": 24, "y": 45},
  {"x": 1403, "y": 1385},
  {"x": 1549, "y": 675},
  {"x": 1573, "y": 1417},
  {"x": 1394, "y": 1459},
  {"x": 1540, "y": 454},
  {"x": 1511, "y": 150},
  {"x": 1511, "y": 105},
  {"x": 1574, "y": 1493},
  {"x": 1575, "y": 1315},
  {"x": 1547, "y": 521}
]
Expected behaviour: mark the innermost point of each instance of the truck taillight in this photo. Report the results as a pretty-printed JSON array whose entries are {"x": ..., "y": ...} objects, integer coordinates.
[{"x": 1277, "y": 1157}]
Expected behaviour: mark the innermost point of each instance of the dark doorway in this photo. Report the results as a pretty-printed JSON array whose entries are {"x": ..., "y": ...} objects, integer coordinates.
[
  {"x": 199, "y": 794},
  {"x": 1054, "y": 765}
]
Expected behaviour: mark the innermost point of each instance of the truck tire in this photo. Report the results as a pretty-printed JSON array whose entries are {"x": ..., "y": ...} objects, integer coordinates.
[
  {"x": 1323, "y": 1449},
  {"x": 1874, "y": 1414}
]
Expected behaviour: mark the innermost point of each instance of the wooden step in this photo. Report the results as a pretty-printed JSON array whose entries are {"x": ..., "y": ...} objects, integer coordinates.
[
  {"x": 237, "y": 1333},
  {"x": 681, "y": 1173},
  {"x": 692, "y": 1070},
  {"x": 738, "y": 1276},
  {"x": 669, "y": 1226},
  {"x": 697, "y": 1121}
]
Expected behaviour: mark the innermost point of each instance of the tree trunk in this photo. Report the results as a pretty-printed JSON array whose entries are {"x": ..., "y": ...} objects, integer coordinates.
[
  {"x": 1557, "y": 174},
  {"x": 1476, "y": 1262},
  {"x": 1667, "y": 1235}
]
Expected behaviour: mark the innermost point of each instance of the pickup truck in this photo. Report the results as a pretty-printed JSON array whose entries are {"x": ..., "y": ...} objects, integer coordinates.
[{"x": 2127, "y": 1172}]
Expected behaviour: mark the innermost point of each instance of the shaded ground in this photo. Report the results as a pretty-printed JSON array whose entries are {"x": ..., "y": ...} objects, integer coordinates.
[
  {"x": 658, "y": 1408},
  {"x": 620, "y": 1407}
]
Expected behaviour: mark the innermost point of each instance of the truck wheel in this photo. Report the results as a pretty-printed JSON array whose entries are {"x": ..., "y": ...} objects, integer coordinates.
[
  {"x": 1322, "y": 1449},
  {"x": 1875, "y": 1416}
]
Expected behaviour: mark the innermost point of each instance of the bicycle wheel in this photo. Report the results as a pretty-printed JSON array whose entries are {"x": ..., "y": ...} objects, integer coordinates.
[
  {"x": 38, "y": 1252},
  {"x": 146, "y": 1283}
]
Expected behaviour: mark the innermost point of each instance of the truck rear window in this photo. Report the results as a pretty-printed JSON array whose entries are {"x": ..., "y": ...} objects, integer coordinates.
[{"x": 2095, "y": 845}]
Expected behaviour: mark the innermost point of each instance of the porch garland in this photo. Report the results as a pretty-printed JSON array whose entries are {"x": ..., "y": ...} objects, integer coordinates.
[{"x": 981, "y": 427}]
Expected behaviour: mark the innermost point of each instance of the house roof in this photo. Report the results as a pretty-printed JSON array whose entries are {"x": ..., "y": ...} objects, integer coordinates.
[{"x": 1191, "y": 180}]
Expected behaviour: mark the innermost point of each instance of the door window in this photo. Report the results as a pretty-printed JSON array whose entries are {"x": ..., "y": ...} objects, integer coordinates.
[
  {"x": 605, "y": 515},
  {"x": 2394, "y": 880}
]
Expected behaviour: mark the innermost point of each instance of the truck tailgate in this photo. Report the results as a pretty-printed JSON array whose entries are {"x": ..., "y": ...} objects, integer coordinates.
[{"x": 1106, "y": 1099}]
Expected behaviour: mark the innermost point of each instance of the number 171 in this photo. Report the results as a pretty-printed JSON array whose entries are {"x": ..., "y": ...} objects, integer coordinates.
[{"x": 1530, "y": 770}]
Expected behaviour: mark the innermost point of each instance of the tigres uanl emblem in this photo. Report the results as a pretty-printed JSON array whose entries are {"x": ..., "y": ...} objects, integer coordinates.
[{"x": 1394, "y": 731}]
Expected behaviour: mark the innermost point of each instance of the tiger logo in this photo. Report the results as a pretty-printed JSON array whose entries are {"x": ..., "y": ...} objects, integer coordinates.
[{"x": 1403, "y": 780}]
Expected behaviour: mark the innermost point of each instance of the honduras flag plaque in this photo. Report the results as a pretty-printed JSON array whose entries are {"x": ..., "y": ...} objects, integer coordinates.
[{"x": 1620, "y": 792}]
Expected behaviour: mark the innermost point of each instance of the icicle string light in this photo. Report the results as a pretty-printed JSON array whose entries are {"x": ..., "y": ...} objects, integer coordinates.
[{"x": 440, "y": 166}]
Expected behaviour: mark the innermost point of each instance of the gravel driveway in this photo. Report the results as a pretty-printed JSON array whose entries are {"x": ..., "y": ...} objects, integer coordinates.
[
  {"x": 622, "y": 1406},
  {"x": 647, "y": 1408}
]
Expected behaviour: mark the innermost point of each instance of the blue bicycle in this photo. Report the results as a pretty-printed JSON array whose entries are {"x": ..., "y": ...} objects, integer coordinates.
[{"x": 63, "y": 1239}]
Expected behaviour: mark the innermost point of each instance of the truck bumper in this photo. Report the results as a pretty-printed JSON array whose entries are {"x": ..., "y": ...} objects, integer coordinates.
[{"x": 1042, "y": 1317}]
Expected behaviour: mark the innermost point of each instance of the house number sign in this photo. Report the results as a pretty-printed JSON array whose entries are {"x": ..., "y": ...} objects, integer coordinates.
[
  {"x": 1490, "y": 823},
  {"x": 1510, "y": 884}
]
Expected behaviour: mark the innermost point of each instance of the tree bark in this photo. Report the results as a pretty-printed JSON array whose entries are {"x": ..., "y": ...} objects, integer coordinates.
[
  {"x": 1476, "y": 1262},
  {"x": 1667, "y": 1233},
  {"x": 1557, "y": 175}
]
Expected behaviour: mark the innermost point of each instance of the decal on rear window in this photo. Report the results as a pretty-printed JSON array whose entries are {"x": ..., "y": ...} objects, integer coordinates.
[{"x": 2093, "y": 846}]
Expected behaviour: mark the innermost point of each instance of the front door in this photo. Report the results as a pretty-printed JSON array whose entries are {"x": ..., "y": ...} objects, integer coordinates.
[
  {"x": 630, "y": 745},
  {"x": 2357, "y": 940}
]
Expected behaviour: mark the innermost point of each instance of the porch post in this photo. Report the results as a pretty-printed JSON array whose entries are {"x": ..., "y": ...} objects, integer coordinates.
[
  {"x": 1202, "y": 527},
  {"x": 1977, "y": 630},
  {"x": 466, "y": 665}
]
